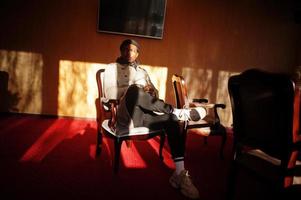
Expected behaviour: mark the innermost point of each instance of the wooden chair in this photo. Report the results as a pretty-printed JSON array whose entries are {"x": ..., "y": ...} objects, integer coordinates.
[
  {"x": 106, "y": 122},
  {"x": 210, "y": 125},
  {"x": 266, "y": 130}
]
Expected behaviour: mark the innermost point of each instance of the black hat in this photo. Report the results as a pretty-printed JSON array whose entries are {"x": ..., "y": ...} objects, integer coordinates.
[{"x": 128, "y": 42}]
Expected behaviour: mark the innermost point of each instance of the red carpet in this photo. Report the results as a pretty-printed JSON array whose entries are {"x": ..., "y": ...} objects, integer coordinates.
[{"x": 53, "y": 158}]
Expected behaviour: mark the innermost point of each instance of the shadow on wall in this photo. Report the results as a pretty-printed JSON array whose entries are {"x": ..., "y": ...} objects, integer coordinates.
[
  {"x": 22, "y": 86},
  {"x": 77, "y": 89},
  {"x": 200, "y": 84},
  {"x": 8, "y": 100}
]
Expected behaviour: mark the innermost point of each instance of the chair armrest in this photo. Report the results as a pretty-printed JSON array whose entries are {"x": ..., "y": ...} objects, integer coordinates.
[
  {"x": 199, "y": 100},
  {"x": 113, "y": 108},
  {"x": 113, "y": 101},
  {"x": 204, "y": 103},
  {"x": 109, "y": 101},
  {"x": 220, "y": 105},
  {"x": 109, "y": 109},
  {"x": 210, "y": 106}
]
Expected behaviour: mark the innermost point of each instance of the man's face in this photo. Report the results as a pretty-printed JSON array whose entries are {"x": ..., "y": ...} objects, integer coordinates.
[{"x": 130, "y": 53}]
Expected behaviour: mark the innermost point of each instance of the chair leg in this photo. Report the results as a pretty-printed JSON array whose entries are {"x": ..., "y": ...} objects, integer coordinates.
[
  {"x": 162, "y": 141},
  {"x": 117, "y": 146},
  {"x": 129, "y": 143},
  {"x": 223, "y": 142},
  {"x": 230, "y": 193},
  {"x": 205, "y": 139},
  {"x": 99, "y": 142}
]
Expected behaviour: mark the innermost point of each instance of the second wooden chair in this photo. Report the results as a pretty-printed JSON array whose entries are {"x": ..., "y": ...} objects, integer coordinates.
[{"x": 210, "y": 125}]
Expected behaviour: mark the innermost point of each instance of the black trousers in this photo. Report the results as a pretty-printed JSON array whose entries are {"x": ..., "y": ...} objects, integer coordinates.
[{"x": 141, "y": 105}]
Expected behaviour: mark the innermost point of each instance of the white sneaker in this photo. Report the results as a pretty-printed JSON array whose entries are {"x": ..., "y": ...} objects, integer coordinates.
[{"x": 190, "y": 114}]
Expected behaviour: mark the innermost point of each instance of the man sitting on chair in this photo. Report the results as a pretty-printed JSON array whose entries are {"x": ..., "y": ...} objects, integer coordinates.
[{"x": 139, "y": 104}]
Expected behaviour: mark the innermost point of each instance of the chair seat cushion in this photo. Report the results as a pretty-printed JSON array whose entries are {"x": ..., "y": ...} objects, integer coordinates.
[
  {"x": 137, "y": 131},
  {"x": 199, "y": 127},
  {"x": 199, "y": 122},
  {"x": 200, "y": 131},
  {"x": 273, "y": 161}
]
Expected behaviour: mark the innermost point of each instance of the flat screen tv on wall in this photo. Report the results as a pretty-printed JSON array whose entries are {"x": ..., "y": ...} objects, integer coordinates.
[{"x": 143, "y": 18}]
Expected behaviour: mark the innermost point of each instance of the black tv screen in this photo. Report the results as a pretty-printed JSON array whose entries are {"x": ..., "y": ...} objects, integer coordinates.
[{"x": 132, "y": 17}]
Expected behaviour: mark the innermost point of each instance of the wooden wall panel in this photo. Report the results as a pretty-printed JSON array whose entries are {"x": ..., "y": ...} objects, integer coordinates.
[{"x": 223, "y": 37}]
